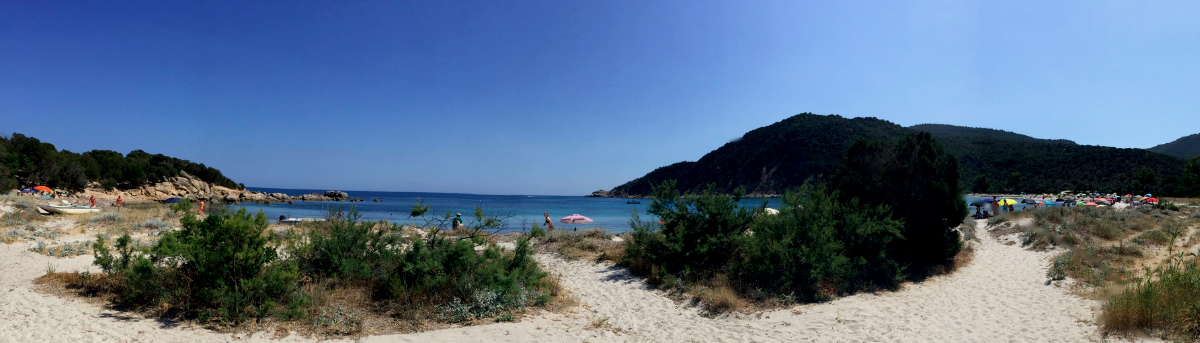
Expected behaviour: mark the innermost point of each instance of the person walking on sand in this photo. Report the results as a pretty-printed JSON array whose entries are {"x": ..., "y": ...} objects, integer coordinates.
[
  {"x": 549, "y": 223},
  {"x": 119, "y": 202},
  {"x": 458, "y": 223},
  {"x": 93, "y": 201}
]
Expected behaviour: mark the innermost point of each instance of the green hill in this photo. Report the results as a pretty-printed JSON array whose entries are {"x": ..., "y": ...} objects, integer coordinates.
[
  {"x": 1185, "y": 148},
  {"x": 770, "y": 159},
  {"x": 774, "y": 158},
  {"x": 26, "y": 161},
  {"x": 947, "y": 131}
]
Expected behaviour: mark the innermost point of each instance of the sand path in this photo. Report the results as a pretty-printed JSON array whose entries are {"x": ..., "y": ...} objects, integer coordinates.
[{"x": 1000, "y": 297}]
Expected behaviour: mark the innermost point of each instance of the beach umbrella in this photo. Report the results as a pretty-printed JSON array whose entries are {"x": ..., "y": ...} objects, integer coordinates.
[
  {"x": 43, "y": 189},
  {"x": 1008, "y": 202},
  {"x": 1152, "y": 200},
  {"x": 575, "y": 219},
  {"x": 1128, "y": 195},
  {"x": 171, "y": 201},
  {"x": 1090, "y": 204},
  {"x": 980, "y": 203},
  {"x": 1029, "y": 201}
]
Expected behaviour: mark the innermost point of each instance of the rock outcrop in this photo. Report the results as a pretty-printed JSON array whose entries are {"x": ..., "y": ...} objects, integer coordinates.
[{"x": 188, "y": 186}]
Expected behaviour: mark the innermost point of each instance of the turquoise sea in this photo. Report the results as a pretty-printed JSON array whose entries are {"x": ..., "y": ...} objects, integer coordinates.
[
  {"x": 522, "y": 210},
  {"x": 607, "y": 213}
]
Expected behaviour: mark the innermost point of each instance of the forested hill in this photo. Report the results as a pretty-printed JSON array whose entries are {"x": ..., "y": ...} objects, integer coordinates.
[
  {"x": 946, "y": 131},
  {"x": 26, "y": 162},
  {"x": 1185, "y": 148},
  {"x": 771, "y": 159}
]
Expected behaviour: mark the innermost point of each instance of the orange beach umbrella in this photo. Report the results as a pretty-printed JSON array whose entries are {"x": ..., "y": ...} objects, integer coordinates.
[{"x": 42, "y": 188}]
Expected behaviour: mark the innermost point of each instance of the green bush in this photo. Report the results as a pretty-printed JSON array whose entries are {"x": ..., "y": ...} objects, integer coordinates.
[
  {"x": 919, "y": 181},
  {"x": 1157, "y": 237},
  {"x": 444, "y": 272},
  {"x": 346, "y": 248},
  {"x": 536, "y": 231},
  {"x": 815, "y": 247},
  {"x": 816, "y": 240},
  {"x": 464, "y": 284},
  {"x": 225, "y": 269},
  {"x": 182, "y": 206},
  {"x": 219, "y": 268},
  {"x": 699, "y": 234}
]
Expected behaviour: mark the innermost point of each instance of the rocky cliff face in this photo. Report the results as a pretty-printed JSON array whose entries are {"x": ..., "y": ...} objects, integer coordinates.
[{"x": 188, "y": 186}]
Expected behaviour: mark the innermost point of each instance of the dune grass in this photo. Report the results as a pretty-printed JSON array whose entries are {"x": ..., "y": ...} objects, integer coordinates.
[
  {"x": 590, "y": 244},
  {"x": 1105, "y": 247},
  {"x": 1164, "y": 302}
]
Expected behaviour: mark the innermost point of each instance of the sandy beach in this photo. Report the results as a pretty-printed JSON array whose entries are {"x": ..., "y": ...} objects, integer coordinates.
[{"x": 1001, "y": 296}]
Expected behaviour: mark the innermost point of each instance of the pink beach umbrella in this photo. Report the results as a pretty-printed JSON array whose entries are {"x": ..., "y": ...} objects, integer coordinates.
[{"x": 576, "y": 219}]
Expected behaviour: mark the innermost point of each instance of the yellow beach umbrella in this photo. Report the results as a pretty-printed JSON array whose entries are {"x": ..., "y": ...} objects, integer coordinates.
[{"x": 1008, "y": 202}]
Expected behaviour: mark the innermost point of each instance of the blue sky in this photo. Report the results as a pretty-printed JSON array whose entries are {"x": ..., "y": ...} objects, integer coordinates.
[{"x": 567, "y": 97}]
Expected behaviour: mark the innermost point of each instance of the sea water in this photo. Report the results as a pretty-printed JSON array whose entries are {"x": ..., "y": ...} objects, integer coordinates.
[{"x": 520, "y": 211}]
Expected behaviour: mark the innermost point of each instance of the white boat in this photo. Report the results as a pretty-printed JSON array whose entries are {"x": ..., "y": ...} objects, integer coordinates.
[
  {"x": 300, "y": 220},
  {"x": 71, "y": 209}
]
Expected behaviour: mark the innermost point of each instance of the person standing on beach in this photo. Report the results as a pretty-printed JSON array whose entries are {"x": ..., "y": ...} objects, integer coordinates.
[
  {"x": 119, "y": 202},
  {"x": 93, "y": 201},
  {"x": 995, "y": 206},
  {"x": 458, "y": 223},
  {"x": 549, "y": 223},
  {"x": 201, "y": 206}
]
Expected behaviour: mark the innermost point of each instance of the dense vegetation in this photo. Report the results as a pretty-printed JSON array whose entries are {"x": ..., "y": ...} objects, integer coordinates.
[
  {"x": 942, "y": 131},
  {"x": 823, "y": 242},
  {"x": 770, "y": 159},
  {"x": 226, "y": 269},
  {"x": 1185, "y": 148},
  {"x": 780, "y": 156},
  {"x": 1035, "y": 167},
  {"x": 26, "y": 162}
]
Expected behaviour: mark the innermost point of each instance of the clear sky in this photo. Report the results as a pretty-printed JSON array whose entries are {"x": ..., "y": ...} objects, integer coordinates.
[{"x": 567, "y": 97}]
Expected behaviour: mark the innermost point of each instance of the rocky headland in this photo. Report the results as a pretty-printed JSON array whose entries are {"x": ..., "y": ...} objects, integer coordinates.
[{"x": 188, "y": 186}]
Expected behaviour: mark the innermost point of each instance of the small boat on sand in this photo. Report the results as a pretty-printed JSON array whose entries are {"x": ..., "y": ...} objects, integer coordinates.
[
  {"x": 300, "y": 220},
  {"x": 70, "y": 209}
]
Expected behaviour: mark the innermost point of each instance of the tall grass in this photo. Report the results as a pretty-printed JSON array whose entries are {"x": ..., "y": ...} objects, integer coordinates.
[
  {"x": 111, "y": 218},
  {"x": 1165, "y": 301}
]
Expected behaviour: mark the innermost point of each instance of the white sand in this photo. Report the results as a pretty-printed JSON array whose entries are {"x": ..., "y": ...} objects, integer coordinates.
[{"x": 1000, "y": 297}]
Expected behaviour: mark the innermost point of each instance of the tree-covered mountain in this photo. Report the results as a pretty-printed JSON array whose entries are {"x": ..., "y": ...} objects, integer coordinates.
[
  {"x": 26, "y": 162},
  {"x": 948, "y": 131},
  {"x": 1185, "y": 148},
  {"x": 770, "y": 159},
  {"x": 774, "y": 158}
]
